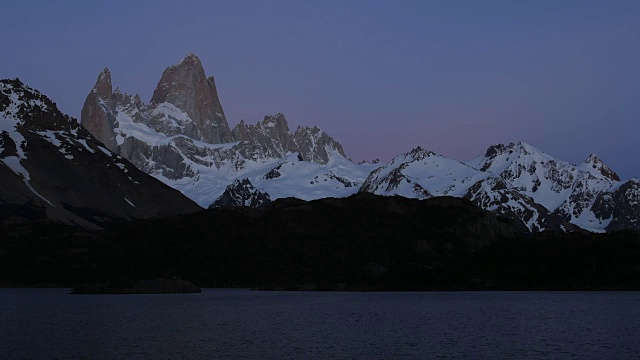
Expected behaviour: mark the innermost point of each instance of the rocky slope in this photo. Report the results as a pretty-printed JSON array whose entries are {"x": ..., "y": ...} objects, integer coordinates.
[
  {"x": 589, "y": 195},
  {"x": 521, "y": 182},
  {"x": 423, "y": 174},
  {"x": 53, "y": 168}
]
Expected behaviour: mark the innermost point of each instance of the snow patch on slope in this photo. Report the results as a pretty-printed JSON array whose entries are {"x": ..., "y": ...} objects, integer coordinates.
[
  {"x": 301, "y": 179},
  {"x": 8, "y": 125},
  {"x": 559, "y": 186},
  {"x": 126, "y": 127}
]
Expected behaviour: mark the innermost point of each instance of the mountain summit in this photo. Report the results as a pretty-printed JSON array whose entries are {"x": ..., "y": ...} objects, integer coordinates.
[
  {"x": 594, "y": 162},
  {"x": 185, "y": 87},
  {"x": 183, "y": 138},
  {"x": 97, "y": 114}
]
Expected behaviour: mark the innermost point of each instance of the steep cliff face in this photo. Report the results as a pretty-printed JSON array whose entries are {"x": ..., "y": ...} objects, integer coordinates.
[
  {"x": 98, "y": 112},
  {"x": 185, "y": 89}
]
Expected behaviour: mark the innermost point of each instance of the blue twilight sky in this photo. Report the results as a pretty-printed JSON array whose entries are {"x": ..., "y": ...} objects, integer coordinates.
[{"x": 380, "y": 76}]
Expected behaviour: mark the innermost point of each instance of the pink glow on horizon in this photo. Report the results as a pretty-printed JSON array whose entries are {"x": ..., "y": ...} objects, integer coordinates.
[{"x": 380, "y": 77}]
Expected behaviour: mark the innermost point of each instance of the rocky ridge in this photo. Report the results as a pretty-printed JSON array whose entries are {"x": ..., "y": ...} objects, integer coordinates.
[
  {"x": 587, "y": 195},
  {"x": 423, "y": 174}
]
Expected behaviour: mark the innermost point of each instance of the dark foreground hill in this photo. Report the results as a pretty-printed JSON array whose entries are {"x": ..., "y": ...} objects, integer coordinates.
[
  {"x": 51, "y": 168},
  {"x": 364, "y": 242}
]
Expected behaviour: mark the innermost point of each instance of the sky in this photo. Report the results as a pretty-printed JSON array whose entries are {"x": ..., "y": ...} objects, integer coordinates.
[{"x": 381, "y": 77}]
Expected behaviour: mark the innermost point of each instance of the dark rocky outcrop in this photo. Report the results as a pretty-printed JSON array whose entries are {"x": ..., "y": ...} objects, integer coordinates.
[
  {"x": 621, "y": 207},
  {"x": 241, "y": 193}
]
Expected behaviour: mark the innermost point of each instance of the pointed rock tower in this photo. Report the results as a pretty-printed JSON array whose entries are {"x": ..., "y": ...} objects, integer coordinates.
[
  {"x": 186, "y": 87},
  {"x": 98, "y": 111}
]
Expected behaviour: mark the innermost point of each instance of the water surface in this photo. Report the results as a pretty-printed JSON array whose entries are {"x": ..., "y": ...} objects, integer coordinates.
[{"x": 243, "y": 324}]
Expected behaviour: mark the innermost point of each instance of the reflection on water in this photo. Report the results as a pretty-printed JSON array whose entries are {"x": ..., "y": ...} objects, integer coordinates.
[{"x": 243, "y": 324}]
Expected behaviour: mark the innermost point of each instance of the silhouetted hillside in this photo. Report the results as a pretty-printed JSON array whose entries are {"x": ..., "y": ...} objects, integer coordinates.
[{"x": 364, "y": 242}]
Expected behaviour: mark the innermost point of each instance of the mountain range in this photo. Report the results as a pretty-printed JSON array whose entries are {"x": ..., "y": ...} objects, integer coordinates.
[
  {"x": 182, "y": 138},
  {"x": 95, "y": 172}
]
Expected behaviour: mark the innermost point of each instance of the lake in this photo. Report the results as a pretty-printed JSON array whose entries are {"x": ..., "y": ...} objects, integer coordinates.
[{"x": 244, "y": 324}]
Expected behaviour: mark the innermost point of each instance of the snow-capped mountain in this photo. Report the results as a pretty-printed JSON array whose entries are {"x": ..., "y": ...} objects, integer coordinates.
[
  {"x": 587, "y": 195},
  {"x": 423, "y": 174},
  {"x": 53, "y": 168},
  {"x": 182, "y": 137}
]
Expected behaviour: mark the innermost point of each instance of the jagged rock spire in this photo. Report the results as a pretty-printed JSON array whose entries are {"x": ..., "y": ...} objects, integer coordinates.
[
  {"x": 186, "y": 87},
  {"x": 103, "y": 87},
  {"x": 97, "y": 113},
  {"x": 273, "y": 138}
]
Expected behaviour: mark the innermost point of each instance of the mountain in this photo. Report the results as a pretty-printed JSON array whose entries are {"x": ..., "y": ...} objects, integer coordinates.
[
  {"x": 423, "y": 174},
  {"x": 53, "y": 168},
  {"x": 183, "y": 139},
  {"x": 589, "y": 195},
  {"x": 185, "y": 89},
  {"x": 521, "y": 182}
]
